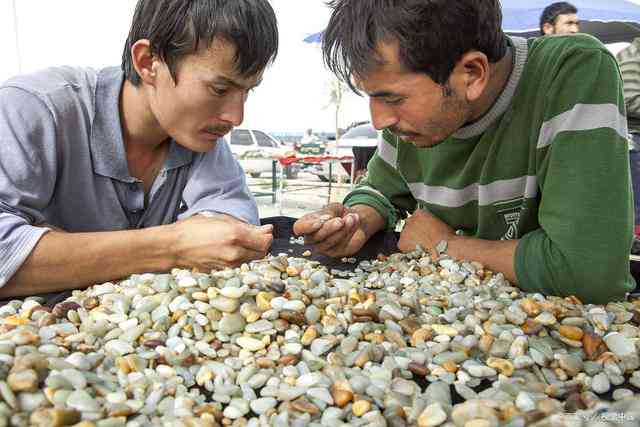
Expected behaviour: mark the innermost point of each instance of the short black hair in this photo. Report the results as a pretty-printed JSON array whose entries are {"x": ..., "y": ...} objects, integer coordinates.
[
  {"x": 551, "y": 13},
  {"x": 432, "y": 35},
  {"x": 176, "y": 28}
]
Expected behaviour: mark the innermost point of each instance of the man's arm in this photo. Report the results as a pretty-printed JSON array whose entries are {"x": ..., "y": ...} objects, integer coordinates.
[
  {"x": 65, "y": 261},
  {"x": 495, "y": 255},
  {"x": 424, "y": 229}
]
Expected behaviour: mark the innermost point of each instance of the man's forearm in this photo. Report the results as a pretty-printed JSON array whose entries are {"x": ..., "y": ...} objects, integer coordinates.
[
  {"x": 64, "y": 261},
  {"x": 495, "y": 255}
]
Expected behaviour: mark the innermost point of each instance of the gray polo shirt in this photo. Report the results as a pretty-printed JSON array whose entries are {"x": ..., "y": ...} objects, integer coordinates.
[{"x": 62, "y": 162}]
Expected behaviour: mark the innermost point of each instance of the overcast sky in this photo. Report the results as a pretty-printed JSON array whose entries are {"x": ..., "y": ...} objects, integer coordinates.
[{"x": 91, "y": 33}]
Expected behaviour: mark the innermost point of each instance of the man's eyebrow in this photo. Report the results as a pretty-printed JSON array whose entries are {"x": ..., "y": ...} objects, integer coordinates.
[
  {"x": 382, "y": 94},
  {"x": 235, "y": 84}
]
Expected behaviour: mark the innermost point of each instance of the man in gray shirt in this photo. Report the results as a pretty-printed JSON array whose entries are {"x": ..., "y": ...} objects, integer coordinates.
[{"x": 111, "y": 172}]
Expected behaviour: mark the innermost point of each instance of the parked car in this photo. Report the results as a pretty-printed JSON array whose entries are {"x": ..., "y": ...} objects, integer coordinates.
[
  {"x": 255, "y": 150},
  {"x": 364, "y": 135}
]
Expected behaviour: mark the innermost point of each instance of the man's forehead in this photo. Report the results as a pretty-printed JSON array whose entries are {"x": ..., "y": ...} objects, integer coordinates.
[
  {"x": 220, "y": 61},
  {"x": 238, "y": 81},
  {"x": 567, "y": 17}
]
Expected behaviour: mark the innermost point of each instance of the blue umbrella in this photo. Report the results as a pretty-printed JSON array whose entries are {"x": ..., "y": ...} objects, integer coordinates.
[
  {"x": 314, "y": 38},
  {"x": 609, "y": 20},
  {"x": 524, "y": 15}
]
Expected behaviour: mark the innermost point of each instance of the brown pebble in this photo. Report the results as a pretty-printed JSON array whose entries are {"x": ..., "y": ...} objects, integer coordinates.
[
  {"x": 265, "y": 363},
  {"x": 61, "y": 309},
  {"x": 530, "y": 306},
  {"x": 450, "y": 366},
  {"x": 54, "y": 417},
  {"x": 47, "y": 320},
  {"x": 593, "y": 345},
  {"x": 119, "y": 410},
  {"x": 573, "y": 403},
  {"x": 153, "y": 343},
  {"x": 91, "y": 303},
  {"x": 485, "y": 343},
  {"x": 531, "y": 327},
  {"x": 362, "y": 358},
  {"x": 208, "y": 408},
  {"x": 288, "y": 359},
  {"x": 418, "y": 369},
  {"x": 374, "y": 337},
  {"x": 503, "y": 365},
  {"x": 341, "y": 397},
  {"x": 571, "y": 332},
  {"x": 365, "y": 312},
  {"x": 303, "y": 405},
  {"x": 294, "y": 317},
  {"x": 421, "y": 335},
  {"x": 26, "y": 380},
  {"x": 409, "y": 325}
]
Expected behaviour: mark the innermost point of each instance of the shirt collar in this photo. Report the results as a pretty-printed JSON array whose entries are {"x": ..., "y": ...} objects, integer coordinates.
[
  {"x": 107, "y": 145},
  {"x": 521, "y": 51}
]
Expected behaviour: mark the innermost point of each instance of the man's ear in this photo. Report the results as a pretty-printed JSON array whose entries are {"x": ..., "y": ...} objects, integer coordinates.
[
  {"x": 547, "y": 28},
  {"x": 145, "y": 63},
  {"x": 474, "y": 67}
]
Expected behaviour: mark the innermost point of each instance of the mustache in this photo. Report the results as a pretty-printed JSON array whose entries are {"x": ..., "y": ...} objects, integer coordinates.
[
  {"x": 399, "y": 132},
  {"x": 220, "y": 130}
]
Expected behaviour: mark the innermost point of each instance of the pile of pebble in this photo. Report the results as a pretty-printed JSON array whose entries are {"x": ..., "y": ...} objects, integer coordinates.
[{"x": 403, "y": 340}]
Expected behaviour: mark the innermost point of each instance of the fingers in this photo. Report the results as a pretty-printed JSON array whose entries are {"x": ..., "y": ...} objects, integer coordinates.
[
  {"x": 265, "y": 229},
  {"x": 257, "y": 239},
  {"x": 336, "y": 244},
  {"x": 234, "y": 258},
  {"x": 310, "y": 223},
  {"x": 313, "y": 222},
  {"x": 328, "y": 229}
]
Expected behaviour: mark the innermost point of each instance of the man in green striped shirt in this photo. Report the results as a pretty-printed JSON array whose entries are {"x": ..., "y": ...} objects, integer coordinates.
[{"x": 512, "y": 151}]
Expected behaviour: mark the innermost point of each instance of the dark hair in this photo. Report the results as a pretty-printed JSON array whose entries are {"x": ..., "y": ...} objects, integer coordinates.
[
  {"x": 176, "y": 28},
  {"x": 432, "y": 35},
  {"x": 551, "y": 13}
]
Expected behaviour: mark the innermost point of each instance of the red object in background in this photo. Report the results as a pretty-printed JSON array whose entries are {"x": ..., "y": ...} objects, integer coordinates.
[{"x": 311, "y": 159}]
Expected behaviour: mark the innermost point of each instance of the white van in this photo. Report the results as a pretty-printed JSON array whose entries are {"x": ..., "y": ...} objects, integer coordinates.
[{"x": 256, "y": 150}]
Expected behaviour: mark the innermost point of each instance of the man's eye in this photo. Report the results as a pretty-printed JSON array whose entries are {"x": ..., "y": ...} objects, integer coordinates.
[
  {"x": 219, "y": 91},
  {"x": 393, "y": 101}
]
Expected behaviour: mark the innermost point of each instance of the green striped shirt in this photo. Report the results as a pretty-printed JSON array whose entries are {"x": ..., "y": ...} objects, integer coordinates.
[
  {"x": 548, "y": 165},
  {"x": 629, "y": 60}
]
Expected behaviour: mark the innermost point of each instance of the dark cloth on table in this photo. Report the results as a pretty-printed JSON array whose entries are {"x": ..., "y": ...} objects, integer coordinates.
[{"x": 382, "y": 243}]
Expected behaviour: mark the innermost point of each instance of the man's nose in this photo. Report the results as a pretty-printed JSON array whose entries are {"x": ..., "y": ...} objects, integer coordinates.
[
  {"x": 382, "y": 117},
  {"x": 233, "y": 111}
]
